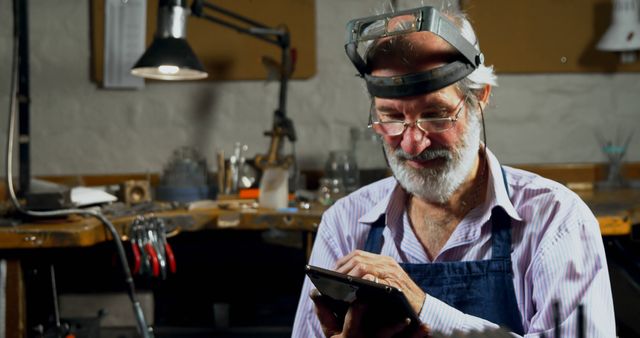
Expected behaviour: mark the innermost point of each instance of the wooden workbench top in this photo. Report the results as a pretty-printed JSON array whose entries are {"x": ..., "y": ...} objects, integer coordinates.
[
  {"x": 616, "y": 210},
  {"x": 79, "y": 231}
]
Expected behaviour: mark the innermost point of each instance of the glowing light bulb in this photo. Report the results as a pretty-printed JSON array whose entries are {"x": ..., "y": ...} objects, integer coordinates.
[{"x": 168, "y": 70}]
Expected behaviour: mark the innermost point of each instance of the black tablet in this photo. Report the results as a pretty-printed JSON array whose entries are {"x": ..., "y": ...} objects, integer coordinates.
[{"x": 387, "y": 302}]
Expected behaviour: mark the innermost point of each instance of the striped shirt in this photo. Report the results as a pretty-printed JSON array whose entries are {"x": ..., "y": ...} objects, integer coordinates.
[{"x": 557, "y": 252}]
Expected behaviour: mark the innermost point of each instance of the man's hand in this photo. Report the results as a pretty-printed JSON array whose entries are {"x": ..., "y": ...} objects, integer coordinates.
[
  {"x": 382, "y": 269},
  {"x": 352, "y": 326}
]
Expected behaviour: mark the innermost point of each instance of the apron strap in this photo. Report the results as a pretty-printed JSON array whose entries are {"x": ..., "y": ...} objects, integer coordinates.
[
  {"x": 500, "y": 234},
  {"x": 374, "y": 240},
  {"x": 501, "y": 228}
]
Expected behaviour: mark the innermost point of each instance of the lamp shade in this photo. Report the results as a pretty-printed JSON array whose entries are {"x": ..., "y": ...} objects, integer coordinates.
[
  {"x": 624, "y": 33},
  {"x": 169, "y": 58}
]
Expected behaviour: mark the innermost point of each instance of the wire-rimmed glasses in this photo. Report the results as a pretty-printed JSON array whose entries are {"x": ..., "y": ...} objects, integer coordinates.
[{"x": 428, "y": 125}]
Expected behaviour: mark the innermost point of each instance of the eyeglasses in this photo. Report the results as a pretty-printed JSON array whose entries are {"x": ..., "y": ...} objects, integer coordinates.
[{"x": 428, "y": 125}]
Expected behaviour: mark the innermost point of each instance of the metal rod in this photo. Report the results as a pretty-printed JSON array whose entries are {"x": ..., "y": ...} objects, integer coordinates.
[
  {"x": 232, "y": 15},
  {"x": 284, "y": 81},
  {"x": 21, "y": 26},
  {"x": 239, "y": 29},
  {"x": 54, "y": 294}
]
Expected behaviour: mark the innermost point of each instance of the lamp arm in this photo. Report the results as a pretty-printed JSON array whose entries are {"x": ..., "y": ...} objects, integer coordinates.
[
  {"x": 229, "y": 13},
  {"x": 277, "y": 37},
  {"x": 239, "y": 29},
  {"x": 282, "y": 125}
]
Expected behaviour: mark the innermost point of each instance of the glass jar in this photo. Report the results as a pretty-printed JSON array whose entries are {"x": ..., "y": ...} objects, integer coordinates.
[
  {"x": 367, "y": 148},
  {"x": 330, "y": 190},
  {"x": 341, "y": 164}
]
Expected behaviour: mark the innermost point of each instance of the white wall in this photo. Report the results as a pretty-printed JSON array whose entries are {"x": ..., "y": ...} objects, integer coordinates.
[{"x": 78, "y": 128}]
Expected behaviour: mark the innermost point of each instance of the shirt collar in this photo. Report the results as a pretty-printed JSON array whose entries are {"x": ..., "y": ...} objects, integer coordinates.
[
  {"x": 390, "y": 205},
  {"x": 497, "y": 194}
]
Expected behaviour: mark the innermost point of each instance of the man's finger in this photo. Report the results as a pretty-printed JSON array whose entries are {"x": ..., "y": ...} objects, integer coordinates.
[
  {"x": 422, "y": 331},
  {"x": 353, "y": 320},
  {"x": 370, "y": 277},
  {"x": 351, "y": 260},
  {"x": 330, "y": 324},
  {"x": 394, "y": 329}
]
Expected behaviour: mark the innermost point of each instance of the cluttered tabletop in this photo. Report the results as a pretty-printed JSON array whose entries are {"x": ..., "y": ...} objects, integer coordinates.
[
  {"x": 617, "y": 211},
  {"x": 80, "y": 231}
]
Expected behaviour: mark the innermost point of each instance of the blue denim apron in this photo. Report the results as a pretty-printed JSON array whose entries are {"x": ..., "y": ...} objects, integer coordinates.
[{"x": 480, "y": 288}]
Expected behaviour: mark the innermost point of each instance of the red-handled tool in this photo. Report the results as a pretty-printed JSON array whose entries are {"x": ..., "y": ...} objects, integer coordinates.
[
  {"x": 170, "y": 257},
  {"x": 136, "y": 257},
  {"x": 153, "y": 257}
]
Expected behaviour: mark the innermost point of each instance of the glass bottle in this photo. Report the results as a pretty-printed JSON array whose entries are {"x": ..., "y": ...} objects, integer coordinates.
[{"x": 341, "y": 164}]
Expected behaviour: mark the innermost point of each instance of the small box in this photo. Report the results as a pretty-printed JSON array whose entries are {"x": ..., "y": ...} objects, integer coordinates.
[{"x": 135, "y": 191}]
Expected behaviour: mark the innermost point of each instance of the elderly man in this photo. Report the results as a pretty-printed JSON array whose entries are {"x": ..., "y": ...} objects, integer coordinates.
[{"x": 473, "y": 244}]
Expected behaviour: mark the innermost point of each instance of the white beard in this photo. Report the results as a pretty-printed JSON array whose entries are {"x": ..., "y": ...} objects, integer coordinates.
[{"x": 439, "y": 183}]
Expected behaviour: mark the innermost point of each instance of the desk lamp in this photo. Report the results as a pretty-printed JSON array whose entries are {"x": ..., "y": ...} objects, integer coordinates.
[
  {"x": 169, "y": 57},
  {"x": 623, "y": 36}
]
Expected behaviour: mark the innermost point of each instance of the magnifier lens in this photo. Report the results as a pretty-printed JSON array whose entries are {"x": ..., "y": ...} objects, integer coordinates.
[
  {"x": 388, "y": 26},
  {"x": 402, "y": 24},
  {"x": 372, "y": 30}
]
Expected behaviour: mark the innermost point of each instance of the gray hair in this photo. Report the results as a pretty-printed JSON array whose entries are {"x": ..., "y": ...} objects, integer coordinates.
[{"x": 484, "y": 75}]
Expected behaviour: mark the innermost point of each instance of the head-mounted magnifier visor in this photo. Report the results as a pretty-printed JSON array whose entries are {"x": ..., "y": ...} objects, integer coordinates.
[{"x": 364, "y": 31}]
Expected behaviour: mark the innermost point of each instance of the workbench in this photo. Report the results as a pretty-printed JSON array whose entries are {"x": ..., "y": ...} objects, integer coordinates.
[
  {"x": 80, "y": 231},
  {"x": 73, "y": 232},
  {"x": 616, "y": 209}
]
